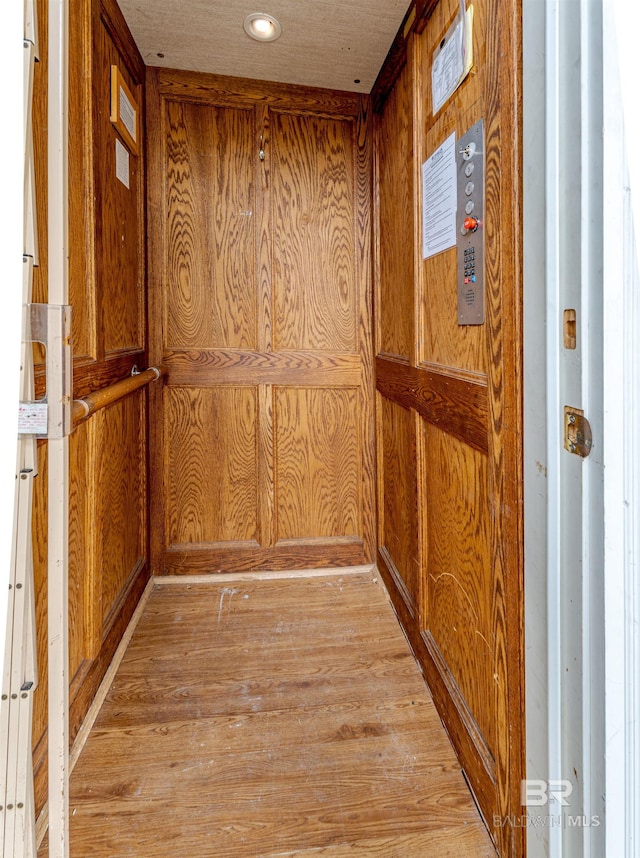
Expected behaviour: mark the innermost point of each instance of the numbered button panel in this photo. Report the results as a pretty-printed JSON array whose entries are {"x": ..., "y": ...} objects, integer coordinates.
[{"x": 470, "y": 226}]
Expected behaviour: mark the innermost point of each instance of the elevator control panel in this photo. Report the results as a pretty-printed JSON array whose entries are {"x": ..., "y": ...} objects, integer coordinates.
[{"x": 470, "y": 225}]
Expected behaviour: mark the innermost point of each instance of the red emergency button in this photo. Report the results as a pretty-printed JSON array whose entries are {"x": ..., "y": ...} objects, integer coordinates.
[{"x": 471, "y": 224}]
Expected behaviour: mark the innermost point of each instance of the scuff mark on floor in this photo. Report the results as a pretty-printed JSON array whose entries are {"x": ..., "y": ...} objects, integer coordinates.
[{"x": 226, "y": 591}]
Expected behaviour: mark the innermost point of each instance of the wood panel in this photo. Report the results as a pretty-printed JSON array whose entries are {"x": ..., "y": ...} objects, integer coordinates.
[
  {"x": 312, "y": 192},
  {"x": 271, "y": 717},
  {"x": 399, "y": 501},
  {"x": 457, "y": 405},
  {"x": 445, "y": 342},
  {"x": 226, "y": 366},
  {"x": 288, "y": 554},
  {"x": 211, "y": 265},
  {"x": 119, "y": 214},
  {"x": 317, "y": 457},
  {"x": 395, "y": 211},
  {"x": 212, "y": 470},
  {"x": 277, "y": 250},
  {"x": 82, "y": 258},
  {"x": 120, "y": 515},
  {"x": 465, "y": 384},
  {"x": 81, "y": 544},
  {"x": 230, "y": 91},
  {"x": 459, "y": 580}
]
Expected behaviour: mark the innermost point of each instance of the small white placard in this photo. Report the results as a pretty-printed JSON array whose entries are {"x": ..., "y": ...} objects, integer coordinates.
[
  {"x": 439, "y": 199},
  {"x": 122, "y": 163},
  {"x": 127, "y": 113},
  {"x": 32, "y": 418}
]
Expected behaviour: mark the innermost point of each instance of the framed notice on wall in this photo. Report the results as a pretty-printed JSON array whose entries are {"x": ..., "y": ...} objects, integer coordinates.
[{"x": 124, "y": 110}]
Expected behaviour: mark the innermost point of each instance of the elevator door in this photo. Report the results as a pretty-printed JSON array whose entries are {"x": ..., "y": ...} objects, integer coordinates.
[{"x": 260, "y": 309}]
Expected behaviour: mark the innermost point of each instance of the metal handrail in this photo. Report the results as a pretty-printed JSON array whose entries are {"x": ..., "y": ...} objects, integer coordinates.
[{"x": 83, "y": 408}]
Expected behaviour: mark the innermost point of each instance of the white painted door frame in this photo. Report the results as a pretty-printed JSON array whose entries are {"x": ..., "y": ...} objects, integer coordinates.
[
  {"x": 582, "y": 518},
  {"x": 58, "y": 448},
  {"x": 11, "y": 237},
  {"x": 621, "y": 322}
]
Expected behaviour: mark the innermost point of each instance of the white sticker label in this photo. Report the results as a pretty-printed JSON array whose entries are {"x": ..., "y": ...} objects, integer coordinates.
[
  {"x": 122, "y": 163},
  {"x": 32, "y": 418}
]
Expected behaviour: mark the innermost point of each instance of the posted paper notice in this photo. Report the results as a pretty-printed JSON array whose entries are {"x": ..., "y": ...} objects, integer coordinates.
[
  {"x": 453, "y": 60},
  {"x": 439, "y": 199}
]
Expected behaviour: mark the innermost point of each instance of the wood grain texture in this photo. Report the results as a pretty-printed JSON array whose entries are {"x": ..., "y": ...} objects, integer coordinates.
[
  {"x": 94, "y": 375},
  {"x": 83, "y": 408},
  {"x": 395, "y": 223},
  {"x": 472, "y": 751},
  {"x": 89, "y": 572},
  {"x": 230, "y": 91},
  {"x": 317, "y": 462},
  {"x": 414, "y": 22},
  {"x": 288, "y": 554},
  {"x": 399, "y": 490},
  {"x": 266, "y": 467},
  {"x": 308, "y": 280},
  {"x": 119, "y": 213},
  {"x": 211, "y": 258},
  {"x": 312, "y": 193},
  {"x": 121, "y": 486},
  {"x": 455, "y": 405},
  {"x": 364, "y": 284},
  {"x": 466, "y": 384},
  {"x": 264, "y": 231},
  {"x": 445, "y": 342},
  {"x": 211, "y": 461},
  {"x": 81, "y": 543},
  {"x": 96, "y": 29},
  {"x": 458, "y": 585},
  {"x": 156, "y": 210},
  {"x": 81, "y": 546},
  {"x": 504, "y": 210},
  {"x": 82, "y": 258},
  {"x": 233, "y": 366},
  {"x": 280, "y": 717}
]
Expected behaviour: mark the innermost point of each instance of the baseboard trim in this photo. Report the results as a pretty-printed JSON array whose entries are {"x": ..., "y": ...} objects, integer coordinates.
[{"x": 263, "y": 575}]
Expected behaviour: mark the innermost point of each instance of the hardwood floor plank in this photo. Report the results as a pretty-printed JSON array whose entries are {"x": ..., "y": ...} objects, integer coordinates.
[{"x": 271, "y": 718}]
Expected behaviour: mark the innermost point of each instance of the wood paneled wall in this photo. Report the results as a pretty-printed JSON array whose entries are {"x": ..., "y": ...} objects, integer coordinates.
[
  {"x": 108, "y": 538},
  {"x": 260, "y": 293},
  {"x": 449, "y": 406}
]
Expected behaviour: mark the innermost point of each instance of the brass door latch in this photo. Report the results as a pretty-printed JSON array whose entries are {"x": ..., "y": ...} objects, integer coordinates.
[{"x": 577, "y": 432}]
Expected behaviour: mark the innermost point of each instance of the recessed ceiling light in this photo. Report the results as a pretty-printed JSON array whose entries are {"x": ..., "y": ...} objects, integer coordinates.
[{"x": 263, "y": 28}]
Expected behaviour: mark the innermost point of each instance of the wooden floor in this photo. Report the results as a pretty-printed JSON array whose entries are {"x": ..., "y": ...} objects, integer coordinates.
[{"x": 270, "y": 717}]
